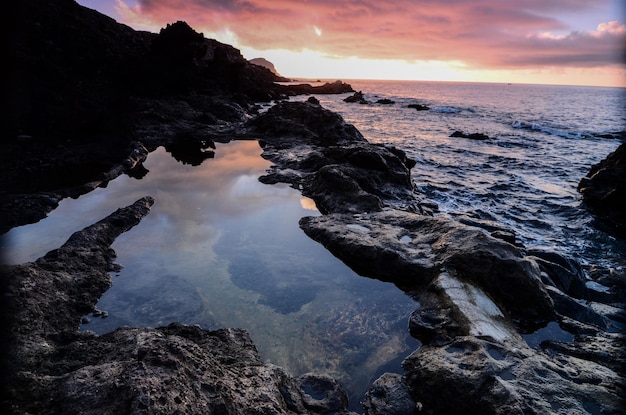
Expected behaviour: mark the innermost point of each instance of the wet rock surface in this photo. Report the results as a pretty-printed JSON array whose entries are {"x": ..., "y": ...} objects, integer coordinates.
[
  {"x": 471, "y": 136},
  {"x": 604, "y": 191},
  {"x": 317, "y": 152},
  {"x": 484, "y": 305}
]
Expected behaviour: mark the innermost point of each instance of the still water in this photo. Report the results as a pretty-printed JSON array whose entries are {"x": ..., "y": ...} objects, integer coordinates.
[{"x": 221, "y": 249}]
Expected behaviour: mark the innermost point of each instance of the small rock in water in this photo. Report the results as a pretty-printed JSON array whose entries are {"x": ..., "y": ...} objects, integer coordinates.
[{"x": 419, "y": 107}]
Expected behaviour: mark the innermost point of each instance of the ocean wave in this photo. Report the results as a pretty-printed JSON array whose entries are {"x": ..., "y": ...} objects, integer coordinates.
[
  {"x": 448, "y": 110},
  {"x": 549, "y": 130}
]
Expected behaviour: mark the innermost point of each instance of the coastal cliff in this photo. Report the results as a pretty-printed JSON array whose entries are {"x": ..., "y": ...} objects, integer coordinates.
[{"x": 90, "y": 98}]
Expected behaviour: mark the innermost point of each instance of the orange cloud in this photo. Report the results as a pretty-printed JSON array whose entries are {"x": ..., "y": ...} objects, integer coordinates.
[{"x": 480, "y": 33}]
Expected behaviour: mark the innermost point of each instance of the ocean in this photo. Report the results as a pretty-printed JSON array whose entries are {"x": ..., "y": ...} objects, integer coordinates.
[
  {"x": 543, "y": 140},
  {"x": 221, "y": 249}
]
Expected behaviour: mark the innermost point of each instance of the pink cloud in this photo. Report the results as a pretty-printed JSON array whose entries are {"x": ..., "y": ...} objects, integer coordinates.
[{"x": 480, "y": 33}]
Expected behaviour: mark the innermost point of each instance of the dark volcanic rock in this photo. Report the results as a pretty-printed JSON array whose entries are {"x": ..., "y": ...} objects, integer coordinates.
[
  {"x": 419, "y": 107},
  {"x": 471, "y": 136},
  {"x": 316, "y": 151},
  {"x": 491, "y": 378},
  {"x": 337, "y": 87},
  {"x": 389, "y": 395},
  {"x": 357, "y": 97},
  {"x": 411, "y": 250},
  {"x": 81, "y": 88},
  {"x": 604, "y": 191}
]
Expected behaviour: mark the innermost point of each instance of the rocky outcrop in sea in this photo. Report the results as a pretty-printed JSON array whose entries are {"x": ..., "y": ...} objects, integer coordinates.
[
  {"x": 503, "y": 329},
  {"x": 486, "y": 303},
  {"x": 604, "y": 191}
]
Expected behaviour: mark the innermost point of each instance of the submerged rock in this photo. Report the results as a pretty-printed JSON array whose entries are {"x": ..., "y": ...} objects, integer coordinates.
[
  {"x": 52, "y": 368},
  {"x": 483, "y": 304},
  {"x": 419, "y": 107}
]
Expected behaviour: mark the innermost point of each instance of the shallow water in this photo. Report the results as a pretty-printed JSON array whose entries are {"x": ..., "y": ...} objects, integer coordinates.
[{"x": 221, "y": 249}]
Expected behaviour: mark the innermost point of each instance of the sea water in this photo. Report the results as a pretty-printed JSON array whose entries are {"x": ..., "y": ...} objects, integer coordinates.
[
  {"x": 543, "y": 140},
  {"x": 221, "y": 249}
]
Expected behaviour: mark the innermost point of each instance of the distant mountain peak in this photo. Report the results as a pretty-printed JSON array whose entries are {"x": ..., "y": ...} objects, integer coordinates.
[{"x": 266, "y": 64}]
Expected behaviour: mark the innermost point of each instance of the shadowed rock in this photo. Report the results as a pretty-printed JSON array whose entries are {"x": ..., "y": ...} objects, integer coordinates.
[
  {"x": 604, "y": 191},
  {"x": 316, "y": 151},
  {"x": 492, "y": 378}
]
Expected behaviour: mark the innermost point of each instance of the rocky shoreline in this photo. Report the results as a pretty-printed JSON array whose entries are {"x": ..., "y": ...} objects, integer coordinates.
[{"x": 482, "y": 296}]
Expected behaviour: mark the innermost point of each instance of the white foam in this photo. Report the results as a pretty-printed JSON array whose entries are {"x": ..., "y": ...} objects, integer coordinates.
[{"x": 449, "y": 110}]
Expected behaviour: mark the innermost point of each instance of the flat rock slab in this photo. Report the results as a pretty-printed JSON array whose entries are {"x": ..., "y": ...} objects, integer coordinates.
[{"x": 411, "y": 250}]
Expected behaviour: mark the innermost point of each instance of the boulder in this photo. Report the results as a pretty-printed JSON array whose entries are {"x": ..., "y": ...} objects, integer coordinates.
[
  {"x": 604, "y": 191},
  {"x": 471, "y": 136},
  {"x": 389, "y": 395},
  {"x": 419, "y": 107},
  {"x": 356, "y": 97},
  {"x": 317, "y": 152}
]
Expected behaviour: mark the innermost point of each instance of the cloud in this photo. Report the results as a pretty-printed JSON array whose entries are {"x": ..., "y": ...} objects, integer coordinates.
[{"x": 480, "y": 33}]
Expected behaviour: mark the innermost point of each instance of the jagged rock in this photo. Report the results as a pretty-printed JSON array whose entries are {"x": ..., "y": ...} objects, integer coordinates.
[
  {"x": 411, "y": 250},
  {"x": 322, "y": 394},
  {"x": 82, "y": 87},
  {"x": 385, "y": 101},
  {"x": 389, "y": 395},
  {"x": 357, "y": 97},
  {"x": 473, "y": 375},
  {"x": 316, "y": 151},
  {"x": 313, "y": 100},
  {"x": 472, "y": 136},
  {"x": 604, "y": 191},
  {"x": 562, "y": 272},
  {"x": 336, "y": 87}
]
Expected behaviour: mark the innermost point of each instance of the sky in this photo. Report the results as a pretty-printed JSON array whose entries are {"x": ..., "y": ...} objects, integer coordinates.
[{"x": 571, "y": 42}]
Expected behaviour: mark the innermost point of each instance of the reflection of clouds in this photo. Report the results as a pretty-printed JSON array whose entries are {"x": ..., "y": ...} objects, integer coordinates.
[
  {"x": 189, "y": 200},
  {"x": 308, "y": 204}
]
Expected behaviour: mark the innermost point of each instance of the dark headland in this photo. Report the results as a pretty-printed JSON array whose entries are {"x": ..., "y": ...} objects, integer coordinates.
[{"x": 86, "y": 99}]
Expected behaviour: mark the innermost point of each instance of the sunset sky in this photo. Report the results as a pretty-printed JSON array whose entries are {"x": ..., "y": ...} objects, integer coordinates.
[{"x": 575, "y": 42}]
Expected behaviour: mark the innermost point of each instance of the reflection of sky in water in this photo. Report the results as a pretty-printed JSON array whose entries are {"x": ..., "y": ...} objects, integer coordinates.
[{"x": 221, "y": 249}]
